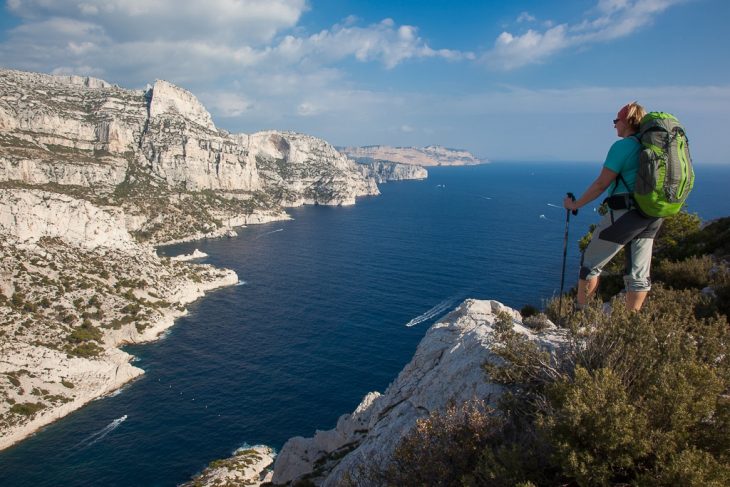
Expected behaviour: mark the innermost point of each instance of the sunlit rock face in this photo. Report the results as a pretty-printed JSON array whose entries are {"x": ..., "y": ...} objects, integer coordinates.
[
  {"x": 86, "y": 132},
  {"x": 447, "y": 368},
  {"x": 91, "y": 175}
]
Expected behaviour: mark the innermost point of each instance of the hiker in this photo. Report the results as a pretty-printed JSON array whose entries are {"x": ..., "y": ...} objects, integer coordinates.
[{"x": 623, "y": 223}]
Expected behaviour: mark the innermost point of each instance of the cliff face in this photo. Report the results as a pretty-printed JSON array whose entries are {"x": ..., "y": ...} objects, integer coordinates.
[
  {"x": 147, "y": 151},
  {"x": 432, "y": 155},
  {"x": 447, "y": 368},
  {"x": 66, "y": 130},
  {"x": 90, "y": 175},
  {"x": 29, "y": 215},
  {"x": 74, "y": 285},
  {"x": 383, "y": 171}
]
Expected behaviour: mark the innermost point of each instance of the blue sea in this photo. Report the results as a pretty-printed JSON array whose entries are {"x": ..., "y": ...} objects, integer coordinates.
[{"x": 320, "y": 318}]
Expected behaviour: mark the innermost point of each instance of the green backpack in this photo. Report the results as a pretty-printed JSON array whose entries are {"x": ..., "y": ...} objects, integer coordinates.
[{"x": 665, "y": 175}]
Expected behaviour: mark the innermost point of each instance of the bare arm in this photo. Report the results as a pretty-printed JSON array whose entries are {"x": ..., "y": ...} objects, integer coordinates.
[{"x": 595, "y": 190}]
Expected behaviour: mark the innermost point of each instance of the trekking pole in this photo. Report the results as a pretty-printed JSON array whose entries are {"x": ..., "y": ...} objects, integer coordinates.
[{"x": 565, "y": 254}]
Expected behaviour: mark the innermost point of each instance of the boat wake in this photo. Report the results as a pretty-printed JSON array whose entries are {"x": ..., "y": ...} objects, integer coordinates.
[
  {"x": 432, "y": 313},
  {"x": 99, "y": 435},
  {"x": 269, "y": 233},
  {"x": 240, "y": 283},
  {"x": 555, "y": 206}
]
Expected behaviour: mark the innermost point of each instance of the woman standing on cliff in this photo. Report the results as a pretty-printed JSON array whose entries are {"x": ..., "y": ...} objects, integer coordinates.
[{"x": 623, "y": 224}]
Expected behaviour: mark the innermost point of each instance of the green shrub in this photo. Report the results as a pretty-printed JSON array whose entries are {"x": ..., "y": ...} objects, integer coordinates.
[
  {"x": 131, "y": 309},
  {"x": 693, "y": 272},
  {"x": 27, "y": 408},
  {"x": 18, "y": 299},
  {"x": 630, "y": 399},
  {"x": 537, "y": 322},
  {"x": 438, "y": 450},
  {"x": 671, "y": 240},
  {"x": 84, "y": 333},
  {"x": 86, "y": 350}
]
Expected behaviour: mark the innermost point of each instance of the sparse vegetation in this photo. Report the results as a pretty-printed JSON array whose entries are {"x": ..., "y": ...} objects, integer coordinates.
[
  {"x": 27, "y": 408},
  {"x": 68, "y": 308},
  {"x": 631, "y": 399}
]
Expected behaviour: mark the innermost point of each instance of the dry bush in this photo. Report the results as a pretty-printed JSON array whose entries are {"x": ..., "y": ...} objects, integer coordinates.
[{"x": 438, "y": 450}]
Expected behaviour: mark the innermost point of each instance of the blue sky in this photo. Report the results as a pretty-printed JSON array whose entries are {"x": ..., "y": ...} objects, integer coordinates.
[{"x": 507, "y": 80}]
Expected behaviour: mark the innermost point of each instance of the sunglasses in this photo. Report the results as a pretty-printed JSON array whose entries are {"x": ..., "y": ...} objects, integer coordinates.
[{"x": 616, "y": 120}]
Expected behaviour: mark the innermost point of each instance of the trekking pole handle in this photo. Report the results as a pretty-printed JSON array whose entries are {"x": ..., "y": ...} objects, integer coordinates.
[{"x": 572, "y": 197}]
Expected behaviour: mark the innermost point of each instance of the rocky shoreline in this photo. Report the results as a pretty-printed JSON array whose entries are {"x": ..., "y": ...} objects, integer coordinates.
[
  {"x": 92, "y": 379},
  {"x": 74, "y": 286},
  {"x": 447, "y": 368},
  {"x": 92, "y": 176}
]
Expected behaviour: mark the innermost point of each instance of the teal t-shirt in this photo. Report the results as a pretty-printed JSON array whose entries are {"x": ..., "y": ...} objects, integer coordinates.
[{"x": 623, "y": 158}]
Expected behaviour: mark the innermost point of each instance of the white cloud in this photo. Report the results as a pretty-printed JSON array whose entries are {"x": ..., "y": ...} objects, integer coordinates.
[
  {"x": 226, "y": 103},
  {"x": 615, "y": 19},
  {"x": 125, "y": 20},
  {"x": 132, "y": 42},
  {"x": 525, "y": 17},
  {"x": 382, "y": 42},
  {"x": 515, "y": 51},
  {"x": 307, "y": 109}
]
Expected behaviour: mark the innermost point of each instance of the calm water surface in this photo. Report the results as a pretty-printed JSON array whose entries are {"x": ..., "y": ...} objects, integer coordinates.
[{"x": 319, "y": 319}]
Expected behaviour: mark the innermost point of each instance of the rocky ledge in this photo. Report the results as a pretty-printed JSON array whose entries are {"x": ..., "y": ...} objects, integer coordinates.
[
  {"x": 447, "y": 368},
  {"x": 249, "y": 466}
]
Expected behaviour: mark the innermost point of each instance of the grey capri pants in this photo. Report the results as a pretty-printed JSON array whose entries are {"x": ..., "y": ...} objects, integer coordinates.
[{"x": 617, "y": 229}]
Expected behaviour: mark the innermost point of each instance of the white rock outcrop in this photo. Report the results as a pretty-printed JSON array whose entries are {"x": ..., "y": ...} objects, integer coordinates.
[
  {"x": 246, "y": 467},
  {"x": 168, "y": 98},
  {"x": 197, "y": 254},
  {"x": 57, "y": 252},
  {"x": 86, "y": 132},
  {"x": 29, "y": 215},
  {"x": 383, "y": 171},
  {"x": 432, "y": 155},
  {"x": 447, "y": 367},
  {"x": 91, "y": 379}
]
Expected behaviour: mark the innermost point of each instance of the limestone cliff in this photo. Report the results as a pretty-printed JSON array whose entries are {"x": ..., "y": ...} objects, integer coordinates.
[
  {"x": 383, "y": 171},
  {"x": 447, "y": 367},
  {"x": 29, "y": 215},
  {"x": 90, "y": 175},
  {"x": 74, "y": 285},
  {"x": 432, "y": 155},
  {"x": 157, "y": 154}
]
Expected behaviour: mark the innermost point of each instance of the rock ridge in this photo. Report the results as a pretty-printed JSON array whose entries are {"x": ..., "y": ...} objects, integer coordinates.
[
  {"x": 446, "y": 368},
  {"x": 432, "y": 155}
]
